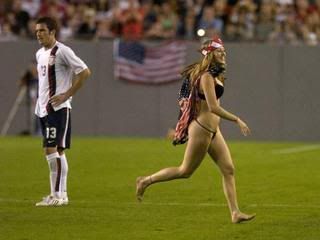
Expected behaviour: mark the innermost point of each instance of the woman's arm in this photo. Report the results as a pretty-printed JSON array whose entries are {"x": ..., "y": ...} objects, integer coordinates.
[{"x": 208, "y": 87}]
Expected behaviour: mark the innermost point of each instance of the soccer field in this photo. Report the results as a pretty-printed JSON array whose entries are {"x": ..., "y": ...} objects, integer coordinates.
[{"x": 278, "y": 181}]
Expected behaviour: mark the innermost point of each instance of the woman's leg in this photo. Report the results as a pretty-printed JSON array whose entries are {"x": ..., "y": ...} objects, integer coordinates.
[
  {"x": 219, "y": 152},
  {"x": 196, "y": 149}
]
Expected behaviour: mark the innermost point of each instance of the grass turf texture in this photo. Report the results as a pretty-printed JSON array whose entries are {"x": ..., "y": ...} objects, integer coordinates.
[{"x": 283, "y": 189}]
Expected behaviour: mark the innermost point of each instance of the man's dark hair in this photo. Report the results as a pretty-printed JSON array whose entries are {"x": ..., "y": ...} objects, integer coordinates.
[{"x": 50, "y": 22}]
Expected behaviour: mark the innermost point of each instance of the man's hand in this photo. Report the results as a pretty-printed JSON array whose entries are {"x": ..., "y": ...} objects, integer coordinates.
[
  {"x": 56, "y": 100},
  {"x": 76, "y": 85}
]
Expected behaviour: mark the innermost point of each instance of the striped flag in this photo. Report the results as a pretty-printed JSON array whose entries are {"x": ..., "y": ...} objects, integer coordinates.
[{"x": 136, "y": 62}]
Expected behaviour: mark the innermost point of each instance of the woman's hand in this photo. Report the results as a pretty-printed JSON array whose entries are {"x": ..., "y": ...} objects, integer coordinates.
[{"x": 243, "y": 127}]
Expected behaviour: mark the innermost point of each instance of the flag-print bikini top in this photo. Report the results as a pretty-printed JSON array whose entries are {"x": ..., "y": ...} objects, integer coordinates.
[
  {"x": 219, "y": 88},
  {"x": 215, "y": 71}
]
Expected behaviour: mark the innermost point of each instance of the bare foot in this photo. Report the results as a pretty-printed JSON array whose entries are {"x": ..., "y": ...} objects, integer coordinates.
[
  {"x": 238, "y": 217},
  {"x": 141, "y": 186}
]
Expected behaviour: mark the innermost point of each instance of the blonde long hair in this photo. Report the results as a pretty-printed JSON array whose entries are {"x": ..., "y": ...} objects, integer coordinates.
[{"x": 195, "y": 70}]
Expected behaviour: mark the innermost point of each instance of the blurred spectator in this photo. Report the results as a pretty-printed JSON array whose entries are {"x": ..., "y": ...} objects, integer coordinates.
[
  {"x": 102, "y": 8},
  {"x": 6, "y": 34},
  {"x": 32, "y": 7},
  {"x": 19, "y": 19},
  {"x": 52, "y": 8},
  {"x": 210, "y": 23},
  {"x": 166, "y": 24},
  {"x": 197, "y": 6},
  {"x": 221, "y": 10},
  {"x": 302, "y": 10},
  {"x": 149, "y": 15},
  {"x": 2, "y": 9},
  {"x": 265, "y": 21},
  {"x": 131, "y": 19},
  {"x": 114, "y": 14},
  {"x": 66, "y": 31},
  {"x": 104, "y": 29},
  {"x": 310, "y": 28},
  {"x": 87, "y": 28},
  {"x": 168, "y": 21},
  {"x": 155, "y": 31},
  {"x": 190, "y": 24},
  {"x": 31, "y": 29},
  {"x": 241, "y": 22},
  {"x": 284, "y": 32},
  {"x": 315, "y": 6},
  {"x": 278, "y": 21}
]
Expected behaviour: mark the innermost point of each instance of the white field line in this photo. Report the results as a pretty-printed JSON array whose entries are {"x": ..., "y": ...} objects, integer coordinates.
[
  {"x": 218, "y": 205},
  {"x": 299, "y": 149}
]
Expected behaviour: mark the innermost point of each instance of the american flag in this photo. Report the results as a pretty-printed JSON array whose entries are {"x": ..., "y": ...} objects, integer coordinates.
[{"x": 136, "y": 62}]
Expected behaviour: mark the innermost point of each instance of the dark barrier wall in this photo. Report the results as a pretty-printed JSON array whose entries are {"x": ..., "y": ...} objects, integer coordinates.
[{"x": 274, "y": 88}]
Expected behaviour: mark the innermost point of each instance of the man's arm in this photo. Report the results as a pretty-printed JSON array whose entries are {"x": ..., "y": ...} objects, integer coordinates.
[{"x": 76, "y": 85}]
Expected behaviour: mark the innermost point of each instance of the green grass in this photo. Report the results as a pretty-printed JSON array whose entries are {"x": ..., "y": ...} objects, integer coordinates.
[{"x": 283, "y": 189}]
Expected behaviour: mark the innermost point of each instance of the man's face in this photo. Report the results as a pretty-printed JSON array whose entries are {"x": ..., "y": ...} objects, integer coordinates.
[{"x": 44, "y": 36}]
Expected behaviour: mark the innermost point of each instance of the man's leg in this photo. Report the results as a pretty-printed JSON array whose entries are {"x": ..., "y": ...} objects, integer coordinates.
[
  {"x": 55, "y": 169},
  {"x": 64, "y": 176}
]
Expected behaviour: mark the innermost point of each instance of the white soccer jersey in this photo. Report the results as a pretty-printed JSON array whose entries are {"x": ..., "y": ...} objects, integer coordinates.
[{"x": 56, "y": 67}]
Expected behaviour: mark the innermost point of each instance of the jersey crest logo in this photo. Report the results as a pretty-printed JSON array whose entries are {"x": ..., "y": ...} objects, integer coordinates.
[{"x": 52, "y": 60}]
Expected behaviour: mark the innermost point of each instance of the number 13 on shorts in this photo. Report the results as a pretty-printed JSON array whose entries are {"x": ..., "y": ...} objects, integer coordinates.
[{"x": 51, "y": 132}]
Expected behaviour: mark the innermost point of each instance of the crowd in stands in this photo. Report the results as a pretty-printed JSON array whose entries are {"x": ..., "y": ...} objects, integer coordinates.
[{"x": 274, "y": 21}]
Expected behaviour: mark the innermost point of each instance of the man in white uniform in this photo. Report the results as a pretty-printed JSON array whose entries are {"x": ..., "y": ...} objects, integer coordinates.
[{"x": 61, "y": 74}]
